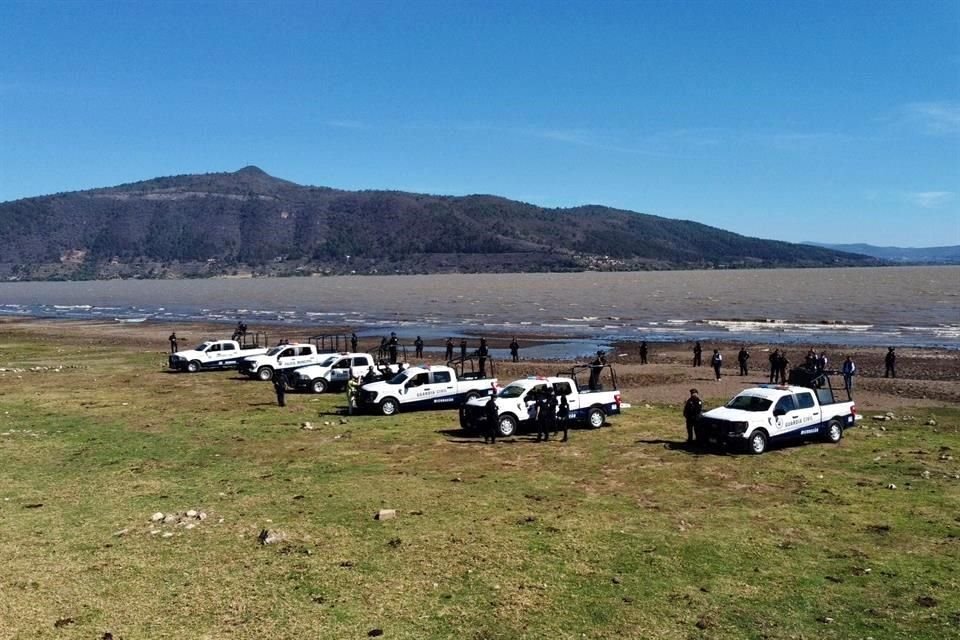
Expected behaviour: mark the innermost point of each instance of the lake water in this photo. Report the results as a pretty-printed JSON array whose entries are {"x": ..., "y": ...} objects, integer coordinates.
[{"x": 901, "y": 306}]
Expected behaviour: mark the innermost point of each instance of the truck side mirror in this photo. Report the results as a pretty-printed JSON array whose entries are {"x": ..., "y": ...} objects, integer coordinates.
[{"x": 779, "y": 412}]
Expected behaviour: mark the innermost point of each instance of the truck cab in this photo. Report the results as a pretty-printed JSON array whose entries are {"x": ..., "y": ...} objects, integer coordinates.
[
  {"x": 212, "y": 354},
  {"x": 335, "y": 370},
  {"x": 282, "y": 357},
  {"x": 417, "y": 388}
]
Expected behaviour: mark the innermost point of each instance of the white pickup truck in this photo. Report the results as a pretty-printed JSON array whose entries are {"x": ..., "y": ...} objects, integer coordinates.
[
  {"x": 284, "y": 357},
  {"x": 213, "y": 354},
  {"x": 758, "y": 416},
  {"x": 431, "y": 387},
  {"x": 334, "y": 371},
  {"x": 516, "y": 404}
]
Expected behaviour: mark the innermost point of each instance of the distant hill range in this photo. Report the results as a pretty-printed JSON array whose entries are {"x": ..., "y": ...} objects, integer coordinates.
[
  {"x": 249, "y": 223},
  {"x": 901, "y": 255}
]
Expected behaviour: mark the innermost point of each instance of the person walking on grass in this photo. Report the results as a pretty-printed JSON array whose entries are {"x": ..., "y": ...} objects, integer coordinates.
[
  {"x": 492, "y": 421},
  {"x": 849, "y": 370},
  {"x": 691, "y": 413},
  {"x": 742, "y": 358},
  {"x": 716, "y": 362},
  {"x": 563, "y": 417},
  {"x": 279, "y": 388}
]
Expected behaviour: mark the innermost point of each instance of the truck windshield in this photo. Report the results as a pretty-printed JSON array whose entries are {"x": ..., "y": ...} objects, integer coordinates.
[
  {"x": 512, "y": 391},
  {"x": 329, "y": 361},
  {"x": 274, "y": 351},
  {"x": 749, "y": 403},
  {"x": 202, "y": 346},
  {"x": 400, "y": 378}
]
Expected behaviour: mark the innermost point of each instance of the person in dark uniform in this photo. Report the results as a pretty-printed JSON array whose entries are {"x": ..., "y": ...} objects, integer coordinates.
[
  {"x": 643, "y": 352},
  {"x": 563, "y": 416},
  {"x": 392, "y": 347},
  {"x": 482, "y": 354},
  {"x": 691, "y": 413},
  {"x": 596, "y": 367},
  {"x": 236, "y": 332},
  {"x": 173, "y": 342},
  {"x": 849, "y": 370},
  {"x": 279, "y": 387},
  {"x": 418, "y": 345},
  {"x": 697, "y": 354},
  {"x": 716, "y": 362},
  {"x": 551, "y": 412},
  {"x": 743, "y": 357},
  {"x": 353, "y": 342},
  {"x": 515, "y": 350},
  {"x": 890, "y": 360},
  {"x": 542, "y": 419},
  {"x": 774, "y": 365},
  {"x": 493, "y": 421},
  {"x": 782, "y": 363},
  {"x": 449, "y": 354},
  {"x": 463, "y": 348},
  {"x": 382, "y": 350}
]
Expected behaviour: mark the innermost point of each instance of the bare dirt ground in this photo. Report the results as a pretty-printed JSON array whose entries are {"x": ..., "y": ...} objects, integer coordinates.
[{"x": 925, "y": 377}]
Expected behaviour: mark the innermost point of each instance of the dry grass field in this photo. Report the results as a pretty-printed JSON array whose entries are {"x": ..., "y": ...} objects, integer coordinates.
[{"x": 621, "y": 533}]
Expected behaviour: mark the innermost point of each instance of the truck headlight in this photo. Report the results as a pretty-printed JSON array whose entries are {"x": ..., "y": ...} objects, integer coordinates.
[{"x": 738, "y": 428}]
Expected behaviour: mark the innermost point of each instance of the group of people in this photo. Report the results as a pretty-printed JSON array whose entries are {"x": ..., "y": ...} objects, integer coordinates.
[
  {"x": 240, "y": 330},
  {"x": 551, "y": 414}
]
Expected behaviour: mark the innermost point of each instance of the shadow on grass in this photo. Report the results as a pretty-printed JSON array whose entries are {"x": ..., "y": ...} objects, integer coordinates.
[
  {"x": 691, "y": 448},
  {"x": 462, "y": 436}
]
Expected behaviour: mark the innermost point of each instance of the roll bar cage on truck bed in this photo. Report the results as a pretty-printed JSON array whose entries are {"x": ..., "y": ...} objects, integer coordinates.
[
  {"x": 468, "y": 368},
  {"x": 595, "y": 373}
]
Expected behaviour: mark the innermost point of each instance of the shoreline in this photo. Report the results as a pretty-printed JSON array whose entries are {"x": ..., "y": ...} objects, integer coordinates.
[{"x": 927, "y": 376}]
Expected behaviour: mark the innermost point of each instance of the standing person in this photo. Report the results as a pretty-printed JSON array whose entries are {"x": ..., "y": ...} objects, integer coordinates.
[
  {"x": 449, "y": 354},
  {"x": 279, "y": 388},
  {"x": 810, "y": 360},
  {"x": 463, "y": 348},
  {"x": 482, "y": 354},
  {"x": 382, "y": 351},
  {"x": 237, "y": 332},
  {"x": 353, "y": 342},
  {"x": 353, "y": 387},
  {"x": 890, "y": 360},
  {"x": 515, "y": 350},
  {"x": 542, "y": 421},
  {"x": 418, "y": 345},
  {"x": 173, "y": 342},
  {"x": 392, "y": 347},
  {"x": 492, "y": 420},
  {"x": 551, "y": 409},
  {"x": 716, "y": 362},
  {"x": 849, "y": 370},
  {"x": 691, "y": 413},
  {"x": 596, "y": 367},
  {"x": 782, "y": 364},
  {"x": 643, "y": 352},
  {"x": 697, "y": 353},
  {"x": 822, "y": 361},
  {"x": 563, "y": 416},
  {"x": 774, "y": 365},
  {"x": 743, "y": 357}
]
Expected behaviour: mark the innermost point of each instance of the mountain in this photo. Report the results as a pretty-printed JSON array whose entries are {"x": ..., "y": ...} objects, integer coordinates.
[
  {"x": 902, "y": 255},
  {"x": 249, "y": 222}
]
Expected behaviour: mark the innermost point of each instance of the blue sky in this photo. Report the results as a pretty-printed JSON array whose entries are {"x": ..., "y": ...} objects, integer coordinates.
[{"x": 828, "y": 121}]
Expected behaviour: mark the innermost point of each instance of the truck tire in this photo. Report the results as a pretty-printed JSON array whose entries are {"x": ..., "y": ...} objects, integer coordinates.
[
  {"x": 319, "y": 385},
  {"x": 834, "y": 431},
  {"x": 193, "y": 366},
  {"x": 507, "y": 425},
  {"x": 596, "y": 417},
  {"x": 757, "y": 442},
  {"x": 473, "y": 395},
  {"x": 389, "y": 406},
  {"x": 265, "y": 373}
]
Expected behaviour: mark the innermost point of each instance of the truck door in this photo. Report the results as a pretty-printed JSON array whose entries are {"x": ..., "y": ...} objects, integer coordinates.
[
  {"x": 531, "y": 400},
  {"x": 786, "y": 418},
  {"x": 573, "y": 399},
  {"x": 360, "y": 366},
  {"x": 809, "y": 413},
  {"x": 229, "y": 353},
  {"x": 418, "y": 387},
  {"x": 340, "y": 370},
  {"x": 213, "y": 352},
  {"x": 286, "y": 358},
  {"x": 441, "y": 383}
]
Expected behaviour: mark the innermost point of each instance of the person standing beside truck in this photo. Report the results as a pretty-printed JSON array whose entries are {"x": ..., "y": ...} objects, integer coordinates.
[
  {"x": 563, "y": 416},
  {"x": 353, "y": 387},
  {"x": 392, "y": 347},
  {"x": 743, "y": 357},
  {"x": 463, "y": 348},
  {"x": 353, "y": 342},
  {"x": 691, "y": 413},
  {"x": 774, "y": 365},
  {"x": 492, "y": 420},
  {"x": 482, "y": 354},
  {"x": 173, "y": 342},
  {"x": 279, "y": 388},
  {"x": 449, "y": 354},
  {"x": 418, "y": 347},
  {"x": 849, "y": 370}
]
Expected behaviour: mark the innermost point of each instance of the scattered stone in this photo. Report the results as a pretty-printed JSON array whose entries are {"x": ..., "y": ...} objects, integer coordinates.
[
  {"x": 927, "y": 601},
  {"x": 170, "y": 518},
  {"x": 385, "y": 514},
  {"x": 121, "y": 533},
  {"x": 457, "y": 479},
  {"x": 616, "y": 580},
  {"x": 157, "y": 517},
  {"x": 189, "y": 525},
  {"x": 192, "y": 513},
  {"x": 834, "y": 579},
  {"x": 35, "y": 505},
  {"x": 346, "y": 564},
  {"x": 154, "y": 532},
  {"x": 268, "y": 536},
  {"x": 704, "y": 623},
  {"x": 891, "y": 486},
  {"x": 343, "y": 421},
  {"x": 299, "y": 496},
  {"x": 375, "y": 633},
  {"x": 106, "y": 636},
  {"x": 326, "y": 423},
  {"x": 318, "y": 599},
  {"x": 627, "y": 599},
  {"x": 201, "y": 516},
  {"x": 883, "y": 428},
  {"x": 925, "y": 475},
  {"x": 931, "y": 423},
  {"x": 62, "y": 622},
  {"x": 881, "y": 418},
  {"x": 307, "y": 426},
  {"x": 825, "y": 619},
  {"x": 167, "y": 534},
  {"x": 395, "y": 542}
]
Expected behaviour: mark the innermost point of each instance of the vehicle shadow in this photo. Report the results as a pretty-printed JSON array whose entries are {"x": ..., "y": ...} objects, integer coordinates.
[
  {"x": 462, "y": 436},
  {"x": 690, "y": 448}
]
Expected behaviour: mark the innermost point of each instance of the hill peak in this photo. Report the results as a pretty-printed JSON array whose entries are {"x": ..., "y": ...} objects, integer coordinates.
[{"x": 252, "y": 170}]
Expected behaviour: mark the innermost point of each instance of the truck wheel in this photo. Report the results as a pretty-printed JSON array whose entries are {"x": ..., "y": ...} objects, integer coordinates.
[
  {"x": 757, "y": 442},
  {"x": 834, "y": 431},
  {"x": 596, "y": 418},
  {"x": 473, "y": 395},
  {"x": 389, "y": 406},
  {"x": 193, "y": 366},
  {"x": 319, "y": 385},
  {"x": 265, "y": 373},
  {"x": 507, "y": 426}
]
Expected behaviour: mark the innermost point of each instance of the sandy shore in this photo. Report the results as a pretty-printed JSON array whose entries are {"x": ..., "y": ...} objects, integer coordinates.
[{"x": 927, "y": 378}]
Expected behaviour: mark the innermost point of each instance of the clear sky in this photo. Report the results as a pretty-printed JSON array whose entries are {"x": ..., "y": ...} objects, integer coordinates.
[{"x": 834, "y": 121}]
